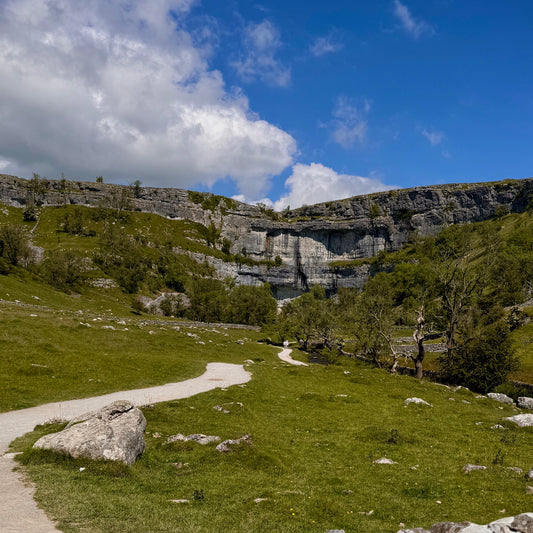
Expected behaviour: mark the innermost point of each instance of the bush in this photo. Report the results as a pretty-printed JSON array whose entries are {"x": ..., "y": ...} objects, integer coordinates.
[
  {"x": 63, "y": 269},
  {"x": 483, "y": 362},
  {"x": 15, "y": 245}
]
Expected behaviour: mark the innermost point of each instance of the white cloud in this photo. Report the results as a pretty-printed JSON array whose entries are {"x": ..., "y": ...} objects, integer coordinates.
[
  {"x": 349, "y": 124},
  {"x": 259, "y": 62},
  {"x": 415, "y": 27},
  {"x": 118, "y": 89},
  {"x": 434, "y": 137},
  {"x": 315, "y": 183},
  {"x": 325, "y": 45}
]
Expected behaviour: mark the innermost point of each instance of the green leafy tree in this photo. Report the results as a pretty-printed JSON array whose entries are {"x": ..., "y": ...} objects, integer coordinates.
[
  {"x": 63, "y": 269},
  {"x": 252, "y": 305},
  {"x": 483, "y": 359},
  {"x": 208, "y": 300},
  {"x": 15, "y": 245}
]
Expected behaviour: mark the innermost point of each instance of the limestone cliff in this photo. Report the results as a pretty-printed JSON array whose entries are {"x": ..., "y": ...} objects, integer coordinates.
[{"x": 307, "y": 239}]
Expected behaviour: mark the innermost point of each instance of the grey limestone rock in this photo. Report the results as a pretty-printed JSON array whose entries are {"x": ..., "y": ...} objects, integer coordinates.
[
  {"x": 471, "y": 468},
  {"x": 417, "y": 401},
  {"x": 385, "y": 461},
  {"x": 524, "y": 402},
  {"x": 523, "y": 420},
  {"x": 499, "y": 397},
  {"x": 196, "y": 437},
  {"x": 115, "y": 433},
  {"x": 514, "y": 524},
  {"x": 227, "y": 445}
]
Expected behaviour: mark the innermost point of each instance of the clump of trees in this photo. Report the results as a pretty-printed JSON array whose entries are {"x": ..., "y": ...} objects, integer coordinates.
[{"x": 446, "y": 285}]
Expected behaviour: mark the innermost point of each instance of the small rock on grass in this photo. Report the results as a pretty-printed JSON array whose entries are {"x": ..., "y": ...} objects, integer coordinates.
[
  {"x": 499, "y": 397},
  {"x": 227, "y": 445},
  {"x": 470, "y": 468},
  {"x": 196, "y": 437},
  {"x": 523, "y": 420},
  {"x": 524, "y": 402},
  {"x": 417, "y": 401},
  {"x": 385, "y": 461}
]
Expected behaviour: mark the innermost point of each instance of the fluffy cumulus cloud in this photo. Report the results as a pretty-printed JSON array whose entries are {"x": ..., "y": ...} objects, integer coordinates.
[
  {"x": 433, "y": 136},
  {"x": 415, "y": 27},
  {"x": 261, "y": 43},
  {"x": 315, "y": 183},
  {"x": 119, "y": 89},
  {"x": 349, "y": 125},
  {"x": 325, "y": 45}
]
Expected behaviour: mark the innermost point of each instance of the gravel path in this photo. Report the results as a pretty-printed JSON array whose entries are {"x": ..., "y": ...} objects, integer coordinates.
[
  {"x": 285, "y": 355},
  {"x": 18, "y": 511}
]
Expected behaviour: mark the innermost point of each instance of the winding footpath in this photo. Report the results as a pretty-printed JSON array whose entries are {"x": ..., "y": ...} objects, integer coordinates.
[
  {"x": 285, "y": 355},
  {"x": 18, "y": 511}
]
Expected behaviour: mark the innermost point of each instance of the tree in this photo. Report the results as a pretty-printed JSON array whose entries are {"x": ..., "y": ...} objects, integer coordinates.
[
  {"x": 15, "y": 245},
  {"x": 63, "y": 269},
  {"x": 99, "y": 179},
  {"x": 483, "y": 360},
  {"x": 252, "y": 305},
  {"x": 208, "y": 300},
  {"x": 137, "y": 189}
]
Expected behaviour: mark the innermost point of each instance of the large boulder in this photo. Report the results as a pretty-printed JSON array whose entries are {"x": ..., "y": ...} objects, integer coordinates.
[{"x": 115, "y": 433}]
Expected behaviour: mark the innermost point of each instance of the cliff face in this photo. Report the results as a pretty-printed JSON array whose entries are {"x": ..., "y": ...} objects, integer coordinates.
[{"x": 307, "y": 239}]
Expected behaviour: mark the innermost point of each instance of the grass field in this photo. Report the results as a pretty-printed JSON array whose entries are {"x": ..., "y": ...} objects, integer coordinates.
[{"x": 316, "y": 432}]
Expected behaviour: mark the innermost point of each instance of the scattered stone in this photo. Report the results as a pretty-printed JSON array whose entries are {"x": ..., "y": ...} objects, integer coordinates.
[
  {"x": 36, "y": 298},
  {"x": 121, "y": 322},
  {"x": 222, "y": 408},
  {"x": 529, "y": 475},
  {"x": 108, "y": 327},
  {"x": 385, "y": 461},
  {"x": 499, "y": 397},
  {"x": 529, "y": 489},
  {"x": 523, "y": 420},
  {"x": 227, "y": 445},
  {"x": 517, "y": 524},
  {"x": 259, "y": 500},
  {"x": 479, "y": 423},
  {"x": 248, "y": 362},
  {"x": 515, "y": 469},
  {"x": 524, "y": 402},
  {"x": 240, "y": 341},
  {"x": 196, "y": 437},
  {"x": 115, "y": 433},
  {"x": 417, "y": 401},
  {"x": 181, "y": 501},
  {"x": 466, "y": 401},
  {"x": 348, "y": 492},
  {"x": 497, "y": 426},
  {"x": 151, "y": 332},
  {"x": 335, "y": 531},
  {"x": 156, "y": 435},
  {"x": 34, "y": 315},
  {"x": 470, "y": 468}
]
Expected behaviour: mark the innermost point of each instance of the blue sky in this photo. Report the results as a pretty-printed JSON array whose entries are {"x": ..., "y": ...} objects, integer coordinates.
[{"x": 284, "y": 101}]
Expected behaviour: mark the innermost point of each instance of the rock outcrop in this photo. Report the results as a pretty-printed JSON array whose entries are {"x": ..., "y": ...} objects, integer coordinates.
[
  {"x": 522, "y": 523},
  {"x": 115, "y": 433},
  {"x": 315, "y": 243}
]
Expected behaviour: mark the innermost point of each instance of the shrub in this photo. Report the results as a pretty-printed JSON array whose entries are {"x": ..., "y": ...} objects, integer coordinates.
[
  {"x": 63, "y": 269},
  {"x": 15, "y": 245},
  {"x": 482, "y": 362}
]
